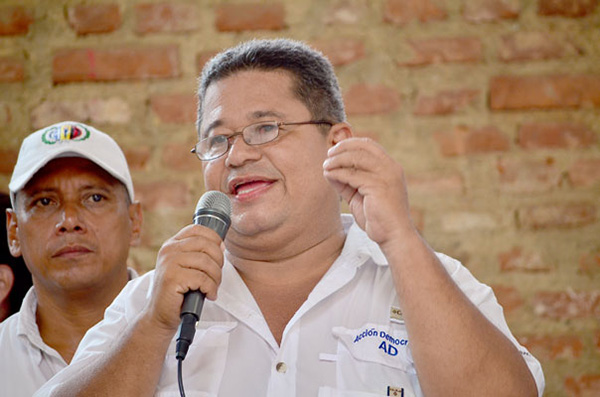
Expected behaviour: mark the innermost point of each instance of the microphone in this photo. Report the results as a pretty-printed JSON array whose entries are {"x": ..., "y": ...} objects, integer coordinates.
[{"x": 213, "y": 211}]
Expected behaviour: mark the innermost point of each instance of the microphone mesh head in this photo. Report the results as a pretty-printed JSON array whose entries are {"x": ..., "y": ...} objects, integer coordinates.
[{"x": 215, "y": 200}]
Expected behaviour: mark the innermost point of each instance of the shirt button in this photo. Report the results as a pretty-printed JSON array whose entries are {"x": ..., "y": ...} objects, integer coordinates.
[{"x": 281, "y": 368}]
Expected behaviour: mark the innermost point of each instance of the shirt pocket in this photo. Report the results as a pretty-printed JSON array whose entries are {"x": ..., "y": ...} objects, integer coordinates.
[
  {"x": 204, "y": 364},
  {"x": 373, "y": 360}
]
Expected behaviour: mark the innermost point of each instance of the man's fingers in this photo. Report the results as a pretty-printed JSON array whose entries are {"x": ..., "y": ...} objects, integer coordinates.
[
  {"x": 192, "y": 280},
  {"x": 359, "y": 160}
]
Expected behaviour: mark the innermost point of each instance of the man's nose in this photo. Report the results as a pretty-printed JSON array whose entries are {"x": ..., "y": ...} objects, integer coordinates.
[
  {"x": 70, "y": 219},
  {"x": 240, "y": 152}
]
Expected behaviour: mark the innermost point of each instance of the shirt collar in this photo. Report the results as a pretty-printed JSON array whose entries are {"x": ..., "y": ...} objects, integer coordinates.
[
  {"x": 358, "y": 245},
  {"x": 27, "y": 325},
  {"x": 27, "y": 328},
  {"x": 131, "y": 274}
]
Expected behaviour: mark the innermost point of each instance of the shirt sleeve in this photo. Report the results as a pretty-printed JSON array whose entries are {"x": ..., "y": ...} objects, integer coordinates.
[
  {"x": 483, "y": 297},
  {"x": 101, "y": 337}
]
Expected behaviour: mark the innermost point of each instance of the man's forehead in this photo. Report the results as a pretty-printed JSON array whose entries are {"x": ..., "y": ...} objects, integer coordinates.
[
  {"x": 252, "y": 99},
  {"x": 278, "y": 79}
]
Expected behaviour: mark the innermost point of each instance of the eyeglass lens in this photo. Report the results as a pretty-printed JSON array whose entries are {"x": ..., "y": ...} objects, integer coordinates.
[{"x": 254, "y": 134}]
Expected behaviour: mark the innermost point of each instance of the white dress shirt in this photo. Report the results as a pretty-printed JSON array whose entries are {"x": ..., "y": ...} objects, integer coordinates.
[
  {"x": 347, "y": 339},
  {"x": 26, "y": 362}
]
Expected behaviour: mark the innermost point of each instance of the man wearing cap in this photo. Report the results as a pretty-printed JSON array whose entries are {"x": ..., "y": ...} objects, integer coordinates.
[{"x": 73, "y": 221}]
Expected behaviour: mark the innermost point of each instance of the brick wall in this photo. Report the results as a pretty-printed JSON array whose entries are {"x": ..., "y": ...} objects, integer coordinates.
[{"x": 492, "y": 106}]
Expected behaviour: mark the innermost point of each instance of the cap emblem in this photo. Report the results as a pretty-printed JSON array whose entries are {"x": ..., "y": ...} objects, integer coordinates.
[{"x": 62, "y": 133}]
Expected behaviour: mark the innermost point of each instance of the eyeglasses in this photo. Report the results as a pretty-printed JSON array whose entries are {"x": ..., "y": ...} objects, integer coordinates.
[{"x": 215, "y": 146}]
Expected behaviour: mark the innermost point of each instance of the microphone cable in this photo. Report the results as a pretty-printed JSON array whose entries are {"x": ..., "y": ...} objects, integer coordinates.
[
  {"x": 187, "y": 330},
  {"x": 180, "y": 376}
]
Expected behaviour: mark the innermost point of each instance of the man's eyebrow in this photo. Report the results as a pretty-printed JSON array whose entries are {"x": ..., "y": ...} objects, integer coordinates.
[
  {"x": 39, "y": 190},
  {"x": 211, "y": 126},
  {"x": 266, "y": 113},
  {"x": 108, "y": 188}
]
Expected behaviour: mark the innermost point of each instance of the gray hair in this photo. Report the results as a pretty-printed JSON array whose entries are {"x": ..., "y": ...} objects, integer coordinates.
[{"x": 315, "y": 83}]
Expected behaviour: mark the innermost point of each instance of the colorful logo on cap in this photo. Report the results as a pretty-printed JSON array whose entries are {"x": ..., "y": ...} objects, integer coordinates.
[{"x": 65, "y": 133}]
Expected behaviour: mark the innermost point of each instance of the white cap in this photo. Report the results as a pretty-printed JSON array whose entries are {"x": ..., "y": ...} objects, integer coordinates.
[{"x": 68, "y": 139}]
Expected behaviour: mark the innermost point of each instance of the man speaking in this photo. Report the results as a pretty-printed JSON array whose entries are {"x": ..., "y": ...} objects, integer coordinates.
[{"x": 303, "y": 301}]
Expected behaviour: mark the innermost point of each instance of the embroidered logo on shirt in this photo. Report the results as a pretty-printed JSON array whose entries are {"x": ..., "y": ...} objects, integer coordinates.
[
  {"x": 395, "y": 391},
  {"x": 396, "y": 315},
  {"x": 388, "y": 345}
]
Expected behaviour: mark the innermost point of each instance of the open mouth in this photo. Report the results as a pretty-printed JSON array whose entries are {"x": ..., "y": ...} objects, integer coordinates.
[{"x": 249, "y": 186}]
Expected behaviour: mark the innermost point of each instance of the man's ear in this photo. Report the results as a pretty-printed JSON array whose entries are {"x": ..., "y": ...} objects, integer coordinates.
[
  {"x": 12, "y": 229},
  {"x": 7, "y": 279},
  {"x": 137, "y": 218},
  {"x": 339, "y": 132}
]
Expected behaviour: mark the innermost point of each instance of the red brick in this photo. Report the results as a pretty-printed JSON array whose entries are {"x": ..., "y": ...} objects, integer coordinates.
[
  {"x": 161, "y": 224},
  {"x": 177, "y": 156},
  {"x": 566, "y": 8},
  {"x": 555, "y": 135},
  {"x": 401, "y": 12},
  {"x": 517, "y": 260},
  {"x": 527, "y": 46},
  {"x": 112, "y": 110},
  {"x": 567, "y": 304},
  {"x": 528, "y": 176},
  {"x": 544, "y": 92},
  {"x": 47, "y": 113},
  {"x": 341, "y": 51},
  {"x": 364, "y": 99},
  {"x": 589, "y": 264},
  {"x": 15, "y": 20},
  {"x": 162, "y": 194},
  {"x": 11, "y": 70},
  {"x": 242, "y": 17},
  {"x": 469, "y": 221},
  {"x": 345, "y": 13},
  {"x": 444, "y": 102},
  {"x": 8, "y": 159},
  {"x": 89, "y": 64},
  {"x": 434, "y": 183},
  {"x": 585, "y": 172},
  {"x": 557, "y": 215},
  {"x": 174, "y": 108},
  {"x": 5, "y": 113},
  {"x": 551, "y": 347},
  {"x": 444, "y": 49},
  {"x": 94, "y": 18},
  {"x": 137, "y": 157},
  {"x": 584, "y": 386},
  {"x": 371, "y": 134},
  {"x": 464, "y": 140},
  {"x": 478, "y": 11},
  {"x": 166, "y": 17},
  {"x": 509, "y": 297},
  {"x": 96, "y": 111},
  {"x": 202, "y": 58}
]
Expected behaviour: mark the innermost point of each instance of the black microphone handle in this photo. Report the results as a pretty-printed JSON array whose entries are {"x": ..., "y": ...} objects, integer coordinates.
[{"x": 193, "y": 301}]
